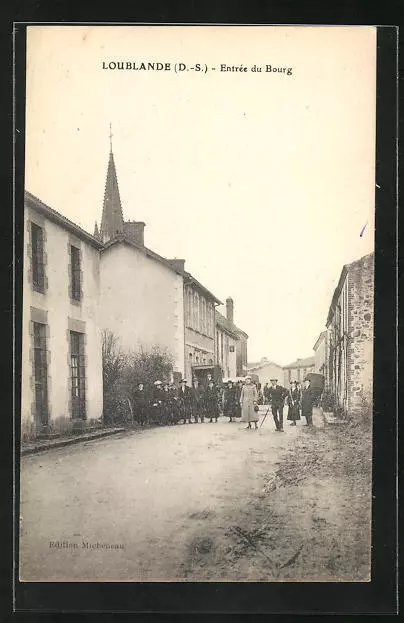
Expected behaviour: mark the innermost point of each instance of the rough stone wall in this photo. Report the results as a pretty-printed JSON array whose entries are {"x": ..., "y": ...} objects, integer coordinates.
[{"x": 360, "y": 318}]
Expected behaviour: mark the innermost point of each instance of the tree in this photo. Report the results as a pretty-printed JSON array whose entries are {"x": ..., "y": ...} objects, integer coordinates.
[
  {"x": 123, "y": 371},
  {"x": 114, "y": 363}
]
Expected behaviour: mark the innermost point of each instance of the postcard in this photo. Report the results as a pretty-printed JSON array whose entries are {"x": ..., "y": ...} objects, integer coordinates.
[{"x": 198, "y": 304}]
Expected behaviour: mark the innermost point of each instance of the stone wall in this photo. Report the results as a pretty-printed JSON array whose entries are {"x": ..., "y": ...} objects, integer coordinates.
[{"x": 360, "y": 318}]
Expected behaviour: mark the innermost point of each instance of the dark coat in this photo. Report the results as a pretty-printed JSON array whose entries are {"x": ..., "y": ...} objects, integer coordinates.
[
  {"x": 140, "y": 398},
  {"x": 229, "y": 401},
  {"x": 277, "y": 395},
  {"x": 185, "y": 396},
  {"x": 197, "y": 394},
  {"x": 211, "y": 401},
  {"x": 308, "y": 399},
  {"x": 294, "y": 400}
]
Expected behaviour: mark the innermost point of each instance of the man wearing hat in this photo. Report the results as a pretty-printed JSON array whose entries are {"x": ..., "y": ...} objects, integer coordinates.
[
  {"x": 308, "y": 399},
  {"x": 276, "y": 395},
  {"x": 185, "y": 400},
  {"x": 197, "y": 400}
]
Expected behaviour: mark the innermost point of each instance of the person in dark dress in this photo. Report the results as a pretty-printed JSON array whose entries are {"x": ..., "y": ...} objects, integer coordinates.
[
  {"x": 229, "y": 401},
  {"x": 140, "y": 405},
  {"x": 294, "y": 399},
  {"x": 211, "y": 402},
  {"x": 197, "y": 401},
  {"x": 175, "y": 405},
  {"x": 185, "y": 400},
  {"x": 308, "y": 399},
  {"x": 156, "y": 406},
  {"x": 277, "y": 395}
]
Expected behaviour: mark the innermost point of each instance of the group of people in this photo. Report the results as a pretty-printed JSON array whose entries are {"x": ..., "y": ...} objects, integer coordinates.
[
  {"x": 299, "y": 401},
  {"x": 167, "y": 404}
]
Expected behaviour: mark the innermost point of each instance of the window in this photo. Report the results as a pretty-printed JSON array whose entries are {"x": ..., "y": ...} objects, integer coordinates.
[
  {"x": 38, "y": 272},
  {"x": 204, "y": 316},
  {"x": 40, "y": 374},
  {"x": 77, "y": 373},
  {"x": 76, "y": 273},
  {"x": 231, "y": 349},
  {"x": 195, "y": 311},
  {"x": 200, "y": 326},
  {"x": 189, "y": 308}
]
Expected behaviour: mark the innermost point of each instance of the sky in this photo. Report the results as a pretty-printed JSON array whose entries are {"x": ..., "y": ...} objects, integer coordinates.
[{"x": 261, "y": 181}]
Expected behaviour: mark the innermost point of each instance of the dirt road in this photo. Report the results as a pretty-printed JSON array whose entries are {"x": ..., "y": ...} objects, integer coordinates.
[{"x": 190, "y": 502}]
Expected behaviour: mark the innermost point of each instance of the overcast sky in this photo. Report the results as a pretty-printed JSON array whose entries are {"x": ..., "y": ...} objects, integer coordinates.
[{"x": 263, "y": 182}]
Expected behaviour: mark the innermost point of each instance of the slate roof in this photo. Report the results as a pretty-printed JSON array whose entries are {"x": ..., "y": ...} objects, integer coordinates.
[{"x": 33, "y": 202}]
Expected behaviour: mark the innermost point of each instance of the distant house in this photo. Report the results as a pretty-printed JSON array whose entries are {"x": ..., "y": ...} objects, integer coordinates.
[
  {"x": 297, "y": 370},
  {"x": 320, "y": 353},
  {"x": 349, "y": 364},
  {"x": 266, "y": 370}
]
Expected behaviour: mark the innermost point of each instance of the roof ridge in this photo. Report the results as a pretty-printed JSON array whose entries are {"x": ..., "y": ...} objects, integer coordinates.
[{"x": 62, "y": 219}]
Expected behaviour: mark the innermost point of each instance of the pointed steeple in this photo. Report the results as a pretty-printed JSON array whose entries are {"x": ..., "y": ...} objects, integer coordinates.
[
  {"x": 112, "y": 217},
  {"x": 96, "y": 232}
]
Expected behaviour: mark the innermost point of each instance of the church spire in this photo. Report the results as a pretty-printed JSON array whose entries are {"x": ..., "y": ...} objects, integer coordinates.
[{"x": 112, "y": 217}]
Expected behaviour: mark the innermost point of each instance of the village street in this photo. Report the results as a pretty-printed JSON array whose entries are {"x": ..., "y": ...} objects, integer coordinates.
[{"x": 192, "y": 502}]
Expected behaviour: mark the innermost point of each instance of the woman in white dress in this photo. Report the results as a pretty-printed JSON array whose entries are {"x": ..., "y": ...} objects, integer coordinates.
[{"x": 248, "y": 400}]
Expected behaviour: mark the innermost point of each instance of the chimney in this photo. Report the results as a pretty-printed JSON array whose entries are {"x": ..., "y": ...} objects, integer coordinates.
[
  {"x": 135, "y": 231},
  {"x": 178, "y": 265},
  {"x": 230, "y": 309}
]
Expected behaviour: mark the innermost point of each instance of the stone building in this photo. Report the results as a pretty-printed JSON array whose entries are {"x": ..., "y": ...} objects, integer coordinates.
[
  {"x": 61, "y": 373},
  {"x": 266, "y": 370},
  {"x": 297, "y": 370},
  {"x": 349, "y": 369}
]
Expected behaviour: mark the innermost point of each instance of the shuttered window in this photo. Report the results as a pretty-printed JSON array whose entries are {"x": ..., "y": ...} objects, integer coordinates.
[
  {"x": 38, "y": 272},
  {"x": 77, "y": 373},
  {"x": 40, "y": 374},
  {"x": 75, "y": 273}
]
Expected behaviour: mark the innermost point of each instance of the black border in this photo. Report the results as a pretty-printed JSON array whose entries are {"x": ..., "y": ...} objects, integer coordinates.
[{"x": 379, "y": 596}]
